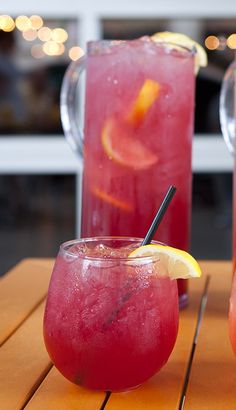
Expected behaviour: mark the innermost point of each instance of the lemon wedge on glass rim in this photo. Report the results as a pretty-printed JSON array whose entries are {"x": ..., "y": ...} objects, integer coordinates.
[
  {"x": 182, "y": 40},
  {"x": 178, "y": 263}
]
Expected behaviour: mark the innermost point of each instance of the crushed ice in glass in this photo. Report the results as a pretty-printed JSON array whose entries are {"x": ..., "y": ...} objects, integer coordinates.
[{"x": 101, "y": 250}]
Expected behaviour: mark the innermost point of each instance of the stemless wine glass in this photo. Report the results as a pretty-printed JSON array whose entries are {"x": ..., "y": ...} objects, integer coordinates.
[
  {"x": 110, "y": 321},
  {"x": 228, "y": 126}
]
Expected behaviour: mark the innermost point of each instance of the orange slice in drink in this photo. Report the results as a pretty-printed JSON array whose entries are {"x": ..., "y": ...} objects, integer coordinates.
[
  {"x": 119, "y": 142},
  {"x": 118, "y": 203},
  {"x": 143, "y": 102}
]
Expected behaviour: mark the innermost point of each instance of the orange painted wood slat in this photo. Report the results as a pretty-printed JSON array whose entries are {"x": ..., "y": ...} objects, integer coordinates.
[
  {"x": 213, "y": 376},
  {"x": 56, "y": 393},
  {"x": 23, "y": 362},
  {"x": 21, "y": 290}
]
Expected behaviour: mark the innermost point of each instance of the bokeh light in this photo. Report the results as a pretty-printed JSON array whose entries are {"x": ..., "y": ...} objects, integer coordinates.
[
  {"x": 231, "y": 41},
  {"x": 75, "y": 53},
  {"x": 59, "y": 35},
  {"x": 7, "y": 23},
  {"x": 61, "y": 49},
  {"x": 51, "y": 48},
  {"x": 23, "y": 23},
  {"x": 37, "y": 51},
  {"x": 36, "y": 22},
  {"x": 212, "y": 42},
  {"x": 44, "y": 33},
  {"x": 30, "y": 35}
]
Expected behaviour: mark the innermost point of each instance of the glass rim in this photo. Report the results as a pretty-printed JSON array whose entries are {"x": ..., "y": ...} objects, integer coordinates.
[
  {"x": 100, "y": 45},
  {"x": 65, "y": 246}
]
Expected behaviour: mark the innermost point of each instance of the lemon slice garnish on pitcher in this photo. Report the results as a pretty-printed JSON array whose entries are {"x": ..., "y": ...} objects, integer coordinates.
[
  {"x": 182, "y": 40},
  {"x": 179, "y": 264}
]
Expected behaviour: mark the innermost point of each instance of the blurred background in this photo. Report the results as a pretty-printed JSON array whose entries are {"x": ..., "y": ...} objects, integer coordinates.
[{"x": 39, "y": 175}]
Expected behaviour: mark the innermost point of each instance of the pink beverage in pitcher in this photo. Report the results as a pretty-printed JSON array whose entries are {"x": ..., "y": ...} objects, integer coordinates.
[
  {"x": 110, "y": 321},
  {"x": 138, "y": 140}
]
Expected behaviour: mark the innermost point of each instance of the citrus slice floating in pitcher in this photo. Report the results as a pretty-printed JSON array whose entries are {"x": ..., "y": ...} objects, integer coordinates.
[
  {"x": 118, "y": 203},
  {"x": 182, "y": 40},
  {"x": 119, "y": 142},
  {"x": 143, "y": 102},
  {"x": 179, "y": 264}
]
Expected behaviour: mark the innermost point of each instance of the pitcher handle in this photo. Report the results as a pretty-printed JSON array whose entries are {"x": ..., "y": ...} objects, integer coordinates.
[
  {"x": 228, "y": 107},
  {"x": 68, "y": 106}
]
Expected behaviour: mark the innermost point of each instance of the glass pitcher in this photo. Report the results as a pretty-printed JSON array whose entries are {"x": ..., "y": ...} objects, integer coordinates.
[
  {"x": 228, "y": 126},
  {"x": 137, "y": 139}
]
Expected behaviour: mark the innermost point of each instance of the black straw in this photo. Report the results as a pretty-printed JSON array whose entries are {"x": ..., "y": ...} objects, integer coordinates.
[
  {"x": 159, "y": 215},
  {"x": 156, "y": 222}
]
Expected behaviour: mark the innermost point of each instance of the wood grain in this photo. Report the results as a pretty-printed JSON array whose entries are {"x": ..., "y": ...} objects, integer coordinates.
[
  {"x": 57, "y": 393},
  {"x": 24, "y": 362},
  {"x": 213, "y": 376},
  {"x": 21, "y": 290}
]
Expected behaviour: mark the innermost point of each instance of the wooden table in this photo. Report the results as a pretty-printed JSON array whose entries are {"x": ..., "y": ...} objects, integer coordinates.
[{"x": 205, "y": 371}]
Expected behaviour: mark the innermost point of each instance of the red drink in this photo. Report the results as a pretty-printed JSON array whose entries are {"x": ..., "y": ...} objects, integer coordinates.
[
  {"x": 138, "y": 139},
  {"x": 107, "y": 323}
]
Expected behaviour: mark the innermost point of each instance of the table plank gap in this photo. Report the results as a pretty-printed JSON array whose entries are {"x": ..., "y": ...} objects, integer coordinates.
[
  {"x": 24, "y": 362},
  {"x": 163, "y": 390},
  {"x": 38, "y": 382},
  {"x": 57, "y": 393},
  {"x": 213, "y": 376},
  {"x": 108, "y": 395},
  {"x": 201, "y": 311},
  {"x": 20, "y": 323}
]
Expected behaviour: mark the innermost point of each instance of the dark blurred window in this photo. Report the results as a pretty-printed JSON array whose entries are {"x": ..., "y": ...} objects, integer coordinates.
[
  {"x": 30, "y": 81},
  {"x": 37, "y": 214}
]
